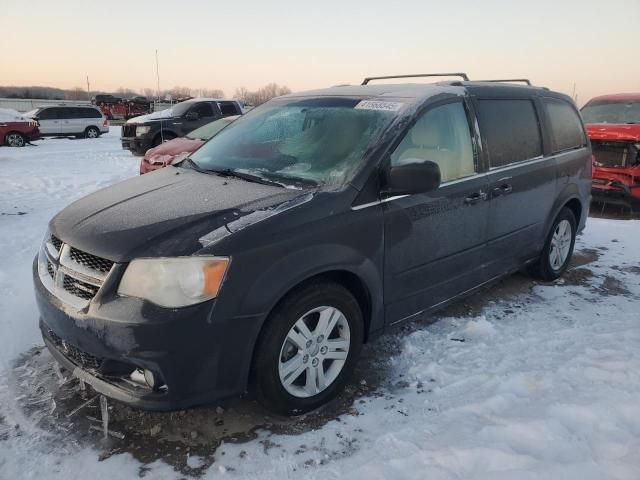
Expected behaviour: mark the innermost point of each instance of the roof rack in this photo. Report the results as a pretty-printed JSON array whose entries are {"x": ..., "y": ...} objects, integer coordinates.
[
  {"x": 463, "y": 75},
  {"x": 509, "y": 80}
]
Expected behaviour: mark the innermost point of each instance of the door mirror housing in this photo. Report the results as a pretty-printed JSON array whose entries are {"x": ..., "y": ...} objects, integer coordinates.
[
  {"x": 414, "y": 176},
  {"x": 191, "y": 116}
]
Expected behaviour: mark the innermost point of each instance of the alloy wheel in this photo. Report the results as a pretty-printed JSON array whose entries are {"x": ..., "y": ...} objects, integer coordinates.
[
  {"x": 314, "y": 352},
  {"x": 560, "y": 244},
  {"x": 15, "y": 140}
]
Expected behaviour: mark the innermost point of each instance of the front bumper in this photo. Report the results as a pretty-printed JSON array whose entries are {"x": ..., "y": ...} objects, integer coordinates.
[
  {"x": 137, "y": 145},
  {"x": 105, "y": 342},
  {"x": 616, "y": 196}
]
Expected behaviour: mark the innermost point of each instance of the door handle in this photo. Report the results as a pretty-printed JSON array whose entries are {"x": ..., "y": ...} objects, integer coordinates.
[
  {"x": 475, "y": 197},
  {"x": 504, "y": 189}
]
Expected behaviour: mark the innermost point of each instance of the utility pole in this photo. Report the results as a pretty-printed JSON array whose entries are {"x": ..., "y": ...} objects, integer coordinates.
[
  {"x": 88, "y": 89},
  {"x": 158, "y": 74}
]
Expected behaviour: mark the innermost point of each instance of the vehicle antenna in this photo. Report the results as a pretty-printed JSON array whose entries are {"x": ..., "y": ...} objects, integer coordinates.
[{"x": 158, "y": 79}]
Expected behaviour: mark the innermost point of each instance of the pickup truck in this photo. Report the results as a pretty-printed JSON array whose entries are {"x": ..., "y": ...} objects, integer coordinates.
[{"x": 139, "y": 134}]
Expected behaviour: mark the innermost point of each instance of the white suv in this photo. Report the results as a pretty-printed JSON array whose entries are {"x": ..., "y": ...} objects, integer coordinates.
[{"x": 64, "y": 120}]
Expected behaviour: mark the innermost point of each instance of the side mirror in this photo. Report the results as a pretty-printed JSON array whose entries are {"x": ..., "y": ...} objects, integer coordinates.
[
  {"x": 415, "y": 176},
  {"x": 191, "y": 116}
]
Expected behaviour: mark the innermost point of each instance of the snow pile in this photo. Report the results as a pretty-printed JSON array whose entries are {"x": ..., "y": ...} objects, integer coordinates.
[
  {"x": 10, "y": 115},
  {"x": 542, "y": 384}
]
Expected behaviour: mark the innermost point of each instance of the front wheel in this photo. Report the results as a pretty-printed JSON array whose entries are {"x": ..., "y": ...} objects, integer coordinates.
[
  {"x": 308, "y": 349},
  {"x": 15, "y": 139},
  {"x": 558, "y": 248}
]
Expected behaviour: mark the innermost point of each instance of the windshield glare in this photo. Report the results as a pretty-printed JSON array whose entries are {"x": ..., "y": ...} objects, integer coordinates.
[
  {"x": 314, "y": 140},
  {"x": 612, "y": 112}
]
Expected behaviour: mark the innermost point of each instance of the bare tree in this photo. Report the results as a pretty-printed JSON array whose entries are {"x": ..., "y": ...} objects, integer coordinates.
[
  {"x": 263, "y": 94},
  {"x": 77, "y": 93},
  {"x": 211, "y": 93}
]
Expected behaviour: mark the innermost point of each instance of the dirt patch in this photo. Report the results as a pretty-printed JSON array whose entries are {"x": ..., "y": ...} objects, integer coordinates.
[
  {"x": 577, "y": 276},
  {"x": 611, "y": 286},
  {"x": 584, "y": 257}
]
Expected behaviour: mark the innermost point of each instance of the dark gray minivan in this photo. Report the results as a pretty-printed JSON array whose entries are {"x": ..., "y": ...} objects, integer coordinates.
[{"x": 304, "y": 229}]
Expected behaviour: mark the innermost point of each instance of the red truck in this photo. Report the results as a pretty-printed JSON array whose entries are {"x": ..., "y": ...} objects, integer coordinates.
[
  {"x": 613, "y": 125},
  {"x": 116, "y": 108}
]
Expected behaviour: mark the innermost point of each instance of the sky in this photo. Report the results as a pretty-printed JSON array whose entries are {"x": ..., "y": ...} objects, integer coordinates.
[{"x": 591, "y": 44}]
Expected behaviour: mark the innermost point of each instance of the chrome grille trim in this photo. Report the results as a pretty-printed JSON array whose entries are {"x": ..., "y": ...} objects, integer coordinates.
[{"x": 71, "y": 278}]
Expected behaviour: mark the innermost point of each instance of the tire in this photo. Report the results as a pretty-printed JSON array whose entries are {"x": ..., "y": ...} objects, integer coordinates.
[
  {"x": 92, "y": 132},
  {"x": 558, "y": 247},
  {"x": 159, "y": 138},
  {"x": 15, "y": 139},
  {"x": 286, "y": 373}
]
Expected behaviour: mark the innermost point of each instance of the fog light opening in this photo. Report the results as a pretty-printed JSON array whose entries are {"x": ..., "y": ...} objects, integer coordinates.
[{"x": 152, "y": 380}]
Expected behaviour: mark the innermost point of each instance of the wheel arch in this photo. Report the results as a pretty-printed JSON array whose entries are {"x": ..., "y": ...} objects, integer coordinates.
[{"x": 4, "y": 139}]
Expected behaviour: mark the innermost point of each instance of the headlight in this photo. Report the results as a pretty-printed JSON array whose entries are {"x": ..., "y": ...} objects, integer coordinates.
[
  {"x": 142, "y": 130},
  {"x": 174, "y": 282}
]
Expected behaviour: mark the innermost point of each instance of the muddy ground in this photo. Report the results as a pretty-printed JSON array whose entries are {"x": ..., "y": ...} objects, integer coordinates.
[{"x": 59, "y": 404}]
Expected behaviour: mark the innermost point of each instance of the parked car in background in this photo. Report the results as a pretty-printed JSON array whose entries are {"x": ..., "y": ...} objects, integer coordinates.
[
  {"x": 86, "y": 121},
  {"x": 173, "y": 151},
  {"x": 613, "y": 125},
  {"x": 140, "y": 134},
  {"x": 16, "y": 129},
  {"x": 304, "y": 229},
  {"x": 116, "y": 108}
]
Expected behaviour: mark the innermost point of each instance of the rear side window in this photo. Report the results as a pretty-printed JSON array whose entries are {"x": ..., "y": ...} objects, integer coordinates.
[
  {"x": 566, "y": 127},
  {"x": 228, "y": 108},
  {"x": 510, "y": 129},
  {"x": 203, "y": 109},
  {"x": 88, "y": 113}
]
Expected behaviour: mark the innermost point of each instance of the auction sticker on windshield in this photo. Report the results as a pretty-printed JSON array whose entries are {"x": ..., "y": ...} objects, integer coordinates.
[{"x": 378, "y": 105}]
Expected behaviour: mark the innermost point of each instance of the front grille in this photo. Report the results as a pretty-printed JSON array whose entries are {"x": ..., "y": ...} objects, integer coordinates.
[
  {"x": 74, "y": 276},
  {"x": 50, "y": 270},
  {"x": 614, "y": 154},
  {"x": 79, "y": 288},
  {"x": 128, "y": 130},
  {"x": 77, "y": 356},
  {"x": 93, "y": 262},
  {"x": 56, "y": 242}
]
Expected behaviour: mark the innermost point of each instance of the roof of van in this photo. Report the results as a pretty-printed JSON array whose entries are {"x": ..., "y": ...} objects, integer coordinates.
[{"x": 419, "y": 91}]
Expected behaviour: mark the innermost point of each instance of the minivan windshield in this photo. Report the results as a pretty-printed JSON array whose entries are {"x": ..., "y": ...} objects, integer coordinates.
[
  {"x": 293, "y": 141},
  {"x": 612, "y": 112}
]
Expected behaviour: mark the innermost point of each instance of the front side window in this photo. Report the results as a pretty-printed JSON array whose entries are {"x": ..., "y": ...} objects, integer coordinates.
[
  {"x": 566, "y": 128},
  {"x": 621, "y": 112},
  {"x": 510, "y": 129},
  {"x": 48, "y": 114},
  {"x": 441, "y": 135},
  {"x": 319, "y": 140}
]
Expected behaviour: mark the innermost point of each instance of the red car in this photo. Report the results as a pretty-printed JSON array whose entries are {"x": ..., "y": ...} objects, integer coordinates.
[
  {"x": 613, "y": 125},
  {"x": 16, "y": 130},
  {"x": 179, "y": 148}
]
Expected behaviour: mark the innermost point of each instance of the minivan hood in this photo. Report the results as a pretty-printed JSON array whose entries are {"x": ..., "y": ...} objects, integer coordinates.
[
  {"x": 164, "y": 213},
  {"x": 614, "y": 131}
]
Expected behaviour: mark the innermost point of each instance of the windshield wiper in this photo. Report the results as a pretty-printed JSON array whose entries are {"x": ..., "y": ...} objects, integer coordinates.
[
  {"x": 229, "y": 172},
  {"x": 188, "y": 163}
]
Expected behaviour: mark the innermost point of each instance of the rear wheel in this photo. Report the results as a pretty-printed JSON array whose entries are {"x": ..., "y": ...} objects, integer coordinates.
[
  {"x": 308, "y": 349},
  {"x": 558, "y": 248},
  {"x": 15, "y": 139},
  {"x": 92, "y": 132}
]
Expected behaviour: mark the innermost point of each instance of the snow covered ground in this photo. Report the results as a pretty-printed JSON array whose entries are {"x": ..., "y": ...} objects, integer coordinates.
[{"x": 531, "y": 381}]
